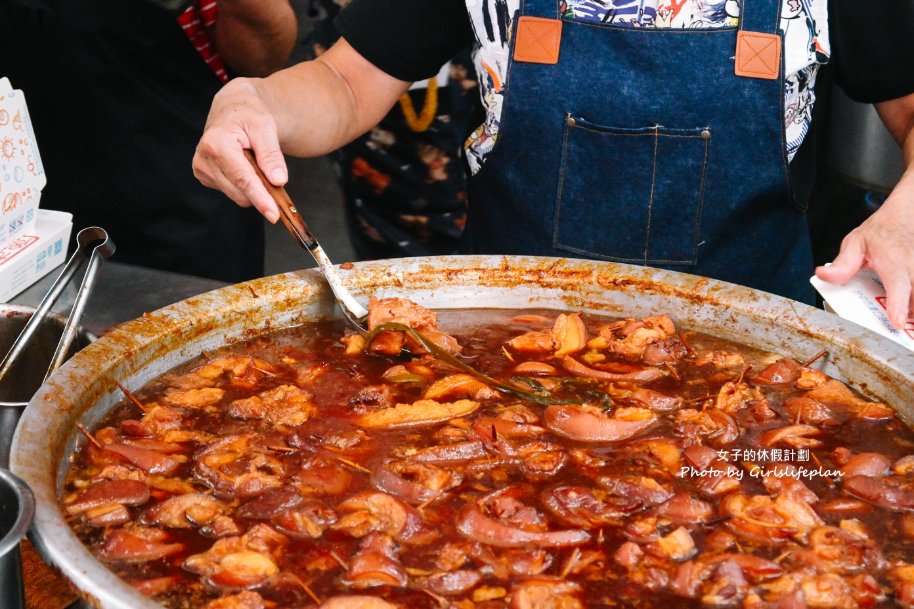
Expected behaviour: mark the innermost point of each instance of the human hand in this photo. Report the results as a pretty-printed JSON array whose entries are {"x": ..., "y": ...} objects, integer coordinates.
[
  {"x": 885, "y": 244},
  {"x": 239, "y": 119}
]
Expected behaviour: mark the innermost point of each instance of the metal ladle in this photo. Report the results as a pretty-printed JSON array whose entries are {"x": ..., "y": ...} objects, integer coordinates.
[{"x": 354, "y": 312}]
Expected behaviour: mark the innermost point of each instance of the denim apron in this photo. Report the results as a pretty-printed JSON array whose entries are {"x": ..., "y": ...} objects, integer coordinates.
[{"x": 641, "y": 145}]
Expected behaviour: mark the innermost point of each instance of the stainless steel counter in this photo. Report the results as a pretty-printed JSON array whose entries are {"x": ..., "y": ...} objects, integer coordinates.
[{"x": 122, "y": 292}]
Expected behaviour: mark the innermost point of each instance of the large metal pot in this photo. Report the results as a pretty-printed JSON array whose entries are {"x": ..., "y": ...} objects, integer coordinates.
[{"x": 84, "y": 389}]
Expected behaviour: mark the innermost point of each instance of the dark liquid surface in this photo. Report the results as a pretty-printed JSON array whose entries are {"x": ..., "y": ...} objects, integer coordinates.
[{"x": 333, "y": 443}]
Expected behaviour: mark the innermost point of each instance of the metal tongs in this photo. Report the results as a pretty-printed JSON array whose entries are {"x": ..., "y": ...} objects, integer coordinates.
[
  {"x": 355, "y": 313},
  {"x": 92, "y": 243}
]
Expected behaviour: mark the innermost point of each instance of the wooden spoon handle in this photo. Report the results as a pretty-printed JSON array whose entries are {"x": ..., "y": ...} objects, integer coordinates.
[{"x": 287, "y": 211}]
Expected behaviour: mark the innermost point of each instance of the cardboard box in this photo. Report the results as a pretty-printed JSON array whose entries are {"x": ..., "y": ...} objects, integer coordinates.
[
  {"x": 32, "y": 255},
  {"x": 21, "y": 173}
]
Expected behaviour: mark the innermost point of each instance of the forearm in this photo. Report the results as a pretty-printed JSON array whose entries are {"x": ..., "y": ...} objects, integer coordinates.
[
  {"x": 898, "y": 116},
  {"x": 307, "y": 110},
  {"x": 255, "y": 37},
  {"x": 885, "y": 241},
  {"x": 321, "y": 105}
]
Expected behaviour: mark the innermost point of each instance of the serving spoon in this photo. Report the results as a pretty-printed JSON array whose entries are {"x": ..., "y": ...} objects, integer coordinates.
[{"x": 354, "y": 312}]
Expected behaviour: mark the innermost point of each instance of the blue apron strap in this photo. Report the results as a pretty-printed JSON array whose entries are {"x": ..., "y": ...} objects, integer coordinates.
[
  {"x": 547, "y": 9},
  {"x": 762, "y": 16}
]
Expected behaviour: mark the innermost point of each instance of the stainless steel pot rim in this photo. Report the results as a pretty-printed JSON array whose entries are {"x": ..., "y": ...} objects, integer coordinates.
[
  {"x": 24, "y": 512},
  {"x": 141, "y": 350}
]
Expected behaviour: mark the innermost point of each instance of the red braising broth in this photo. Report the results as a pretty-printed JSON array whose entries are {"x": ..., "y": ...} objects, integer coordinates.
[{"x": 636, "y": 465}]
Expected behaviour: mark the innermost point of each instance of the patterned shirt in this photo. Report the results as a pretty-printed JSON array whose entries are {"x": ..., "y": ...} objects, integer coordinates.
[{"x": 803, "y": 23}]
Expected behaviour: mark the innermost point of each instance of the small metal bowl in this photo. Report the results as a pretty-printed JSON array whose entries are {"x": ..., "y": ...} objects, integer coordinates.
[{"x": 17, "y": 507}]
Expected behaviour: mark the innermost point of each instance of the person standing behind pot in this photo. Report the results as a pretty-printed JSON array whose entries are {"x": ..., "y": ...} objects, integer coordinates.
[
  {"x": 118, "y": 91},
  {"x": 403, "y": 182},
  {"x": 654, "y": 133}
]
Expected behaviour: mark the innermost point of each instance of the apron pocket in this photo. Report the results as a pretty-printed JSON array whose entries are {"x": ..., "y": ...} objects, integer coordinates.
[{"x": 631, "y": 195}]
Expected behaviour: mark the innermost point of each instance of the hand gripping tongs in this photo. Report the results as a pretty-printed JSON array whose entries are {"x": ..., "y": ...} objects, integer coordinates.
[{"x": 92, "y": 243}]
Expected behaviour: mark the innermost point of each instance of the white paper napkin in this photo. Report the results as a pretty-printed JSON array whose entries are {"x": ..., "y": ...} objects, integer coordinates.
[{"x": 862, "y": 300}]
